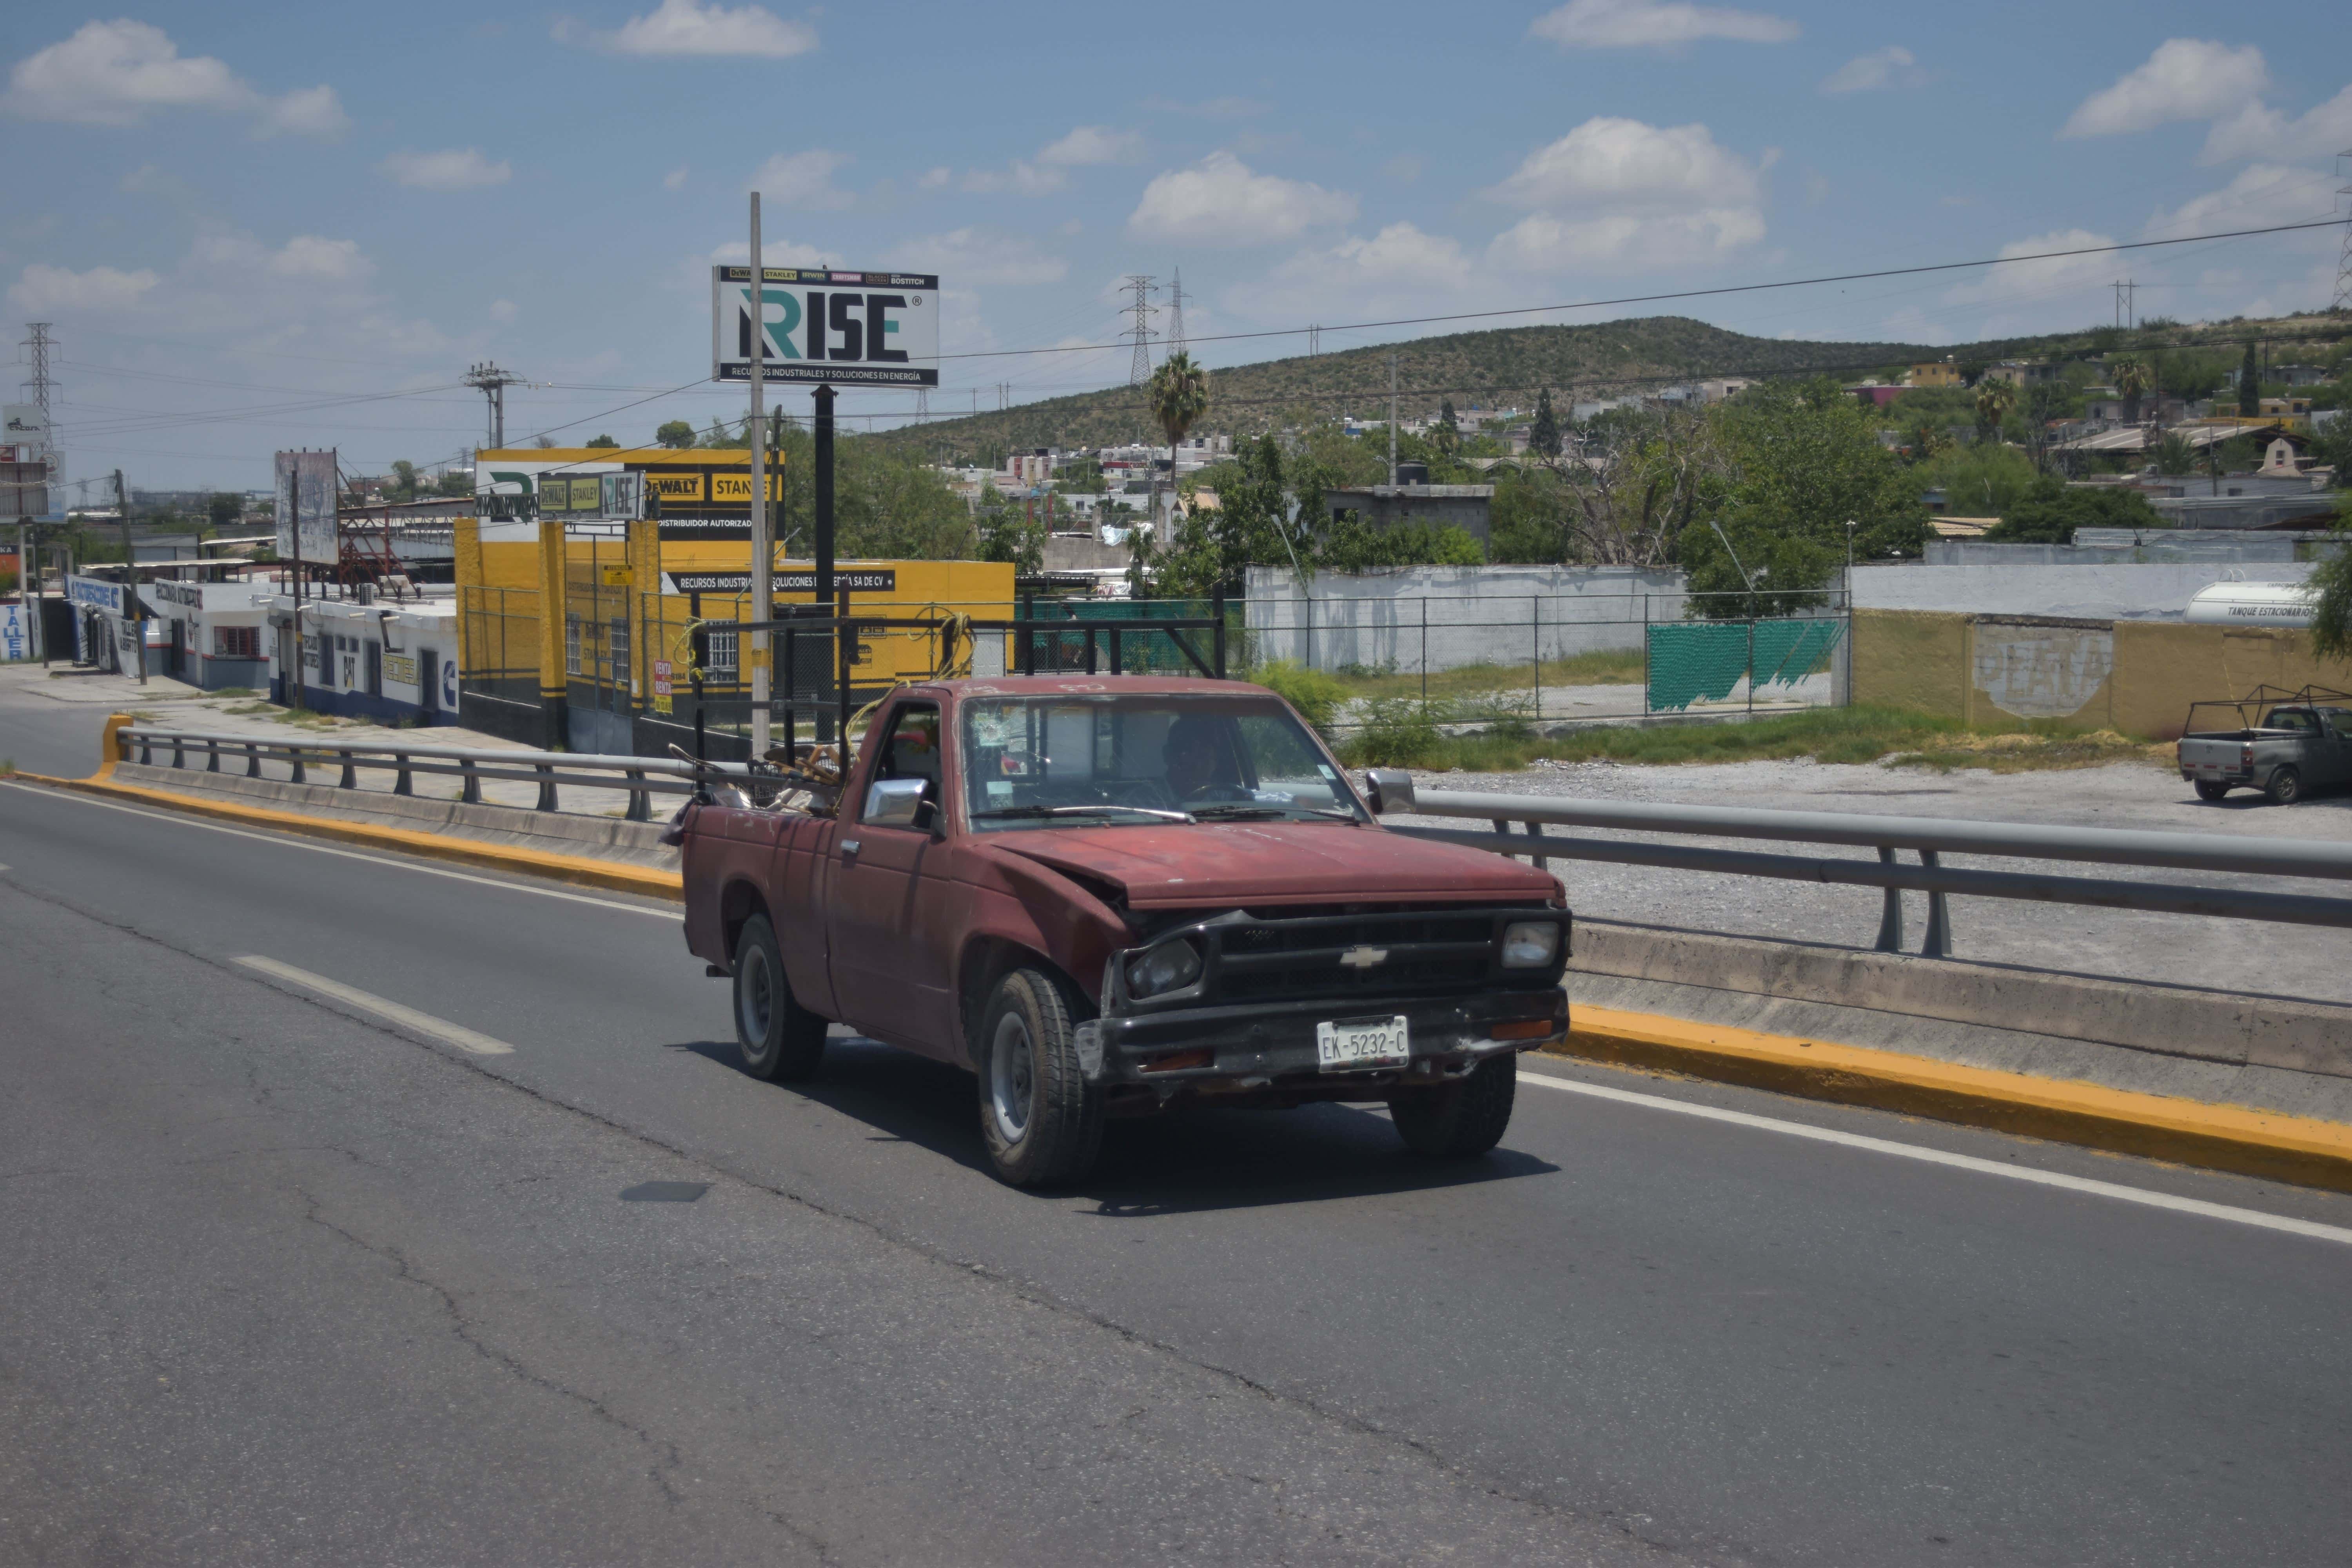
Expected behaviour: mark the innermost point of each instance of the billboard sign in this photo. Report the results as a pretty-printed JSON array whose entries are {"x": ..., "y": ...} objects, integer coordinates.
[
  {"x": 827, "y": 324},
  {"x": 27, "y": 426},
  {"x": 306, "y": 487},
  {"x": 14, "y": 644},
  {"x": 23, "y": 490}
]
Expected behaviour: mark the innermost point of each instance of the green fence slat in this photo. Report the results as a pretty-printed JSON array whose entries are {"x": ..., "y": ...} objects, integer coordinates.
[{"x": 1694, "y": 661}]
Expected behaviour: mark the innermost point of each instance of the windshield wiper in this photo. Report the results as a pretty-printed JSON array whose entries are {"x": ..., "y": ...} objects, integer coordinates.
[
  {"x": 1086, "y": 811},
  {"x": 1239, "y": 810}
]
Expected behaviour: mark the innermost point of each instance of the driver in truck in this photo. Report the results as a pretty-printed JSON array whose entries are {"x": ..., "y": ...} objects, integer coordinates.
[{"x": 1198, "y": 754}]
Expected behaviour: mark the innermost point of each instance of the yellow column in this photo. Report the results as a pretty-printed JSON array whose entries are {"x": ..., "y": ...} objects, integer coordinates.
[{"x": 554, "y": 684}]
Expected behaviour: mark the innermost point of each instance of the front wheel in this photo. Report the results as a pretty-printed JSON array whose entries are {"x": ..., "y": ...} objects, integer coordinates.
[
  {"x": 779, "y": 1040},
  {"x": 1041, "y": 1120},
  {"x": 1462, "y": 1120},
  {"x": 2210, "y": 791},
  {"x": 2285, "y": 786}
]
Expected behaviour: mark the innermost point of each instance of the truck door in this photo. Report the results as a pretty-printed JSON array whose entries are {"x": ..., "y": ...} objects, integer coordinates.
[{"x": 883, "y": 978}]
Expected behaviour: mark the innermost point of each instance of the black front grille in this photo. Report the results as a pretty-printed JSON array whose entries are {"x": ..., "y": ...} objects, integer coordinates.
[{"x": 1425, "y": 953}]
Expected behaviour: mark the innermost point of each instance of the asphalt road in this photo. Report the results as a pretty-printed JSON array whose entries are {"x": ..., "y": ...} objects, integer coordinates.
[{"x": 287, "y": 1282}]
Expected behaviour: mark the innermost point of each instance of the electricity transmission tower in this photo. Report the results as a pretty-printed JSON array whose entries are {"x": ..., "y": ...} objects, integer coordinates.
[
  {"x": 2126, "y": 303},
  {"x": 37, "y": 388},
  {"x": 2343, "y": 300},
  {"x": 1141, "y": 285},
  {"x": 493, "y": 382},
  {"x": 1176, "y": 313}
]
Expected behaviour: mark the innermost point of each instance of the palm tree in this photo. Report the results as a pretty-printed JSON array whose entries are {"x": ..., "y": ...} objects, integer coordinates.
[
  {"x": 1995, "y": 398},
  {"x": 1178, "y": 395},
  {"x": 2131, "y": 380}
]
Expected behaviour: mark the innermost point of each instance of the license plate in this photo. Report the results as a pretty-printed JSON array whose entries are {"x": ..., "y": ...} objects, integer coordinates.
[{"x": 1357, "y": 1045}]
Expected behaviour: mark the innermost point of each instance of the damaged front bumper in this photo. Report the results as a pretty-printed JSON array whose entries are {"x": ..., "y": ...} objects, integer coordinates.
[{"x": 1268, "y": 1052}]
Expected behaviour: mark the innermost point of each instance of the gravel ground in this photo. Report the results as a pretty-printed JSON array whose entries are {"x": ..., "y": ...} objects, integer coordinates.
[{"x": 2233, "y": 955}]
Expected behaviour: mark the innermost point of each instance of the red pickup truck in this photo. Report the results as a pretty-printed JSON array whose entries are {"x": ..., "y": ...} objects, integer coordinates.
[{"x": 1112, "y": 896}]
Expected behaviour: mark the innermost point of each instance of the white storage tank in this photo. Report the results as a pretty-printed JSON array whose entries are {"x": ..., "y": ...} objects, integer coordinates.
[{"x": 2251, "y": 604}]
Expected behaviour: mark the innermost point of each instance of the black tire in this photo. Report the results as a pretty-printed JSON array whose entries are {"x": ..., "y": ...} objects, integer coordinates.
[
  {"x": 2210, "y": 791},
  {"x": 1041, "y": 1120},
  {"x": 781, "y": 1041},
  {"x": 2285, "y": 786},
  {"x": 1463, "y": 1120}
]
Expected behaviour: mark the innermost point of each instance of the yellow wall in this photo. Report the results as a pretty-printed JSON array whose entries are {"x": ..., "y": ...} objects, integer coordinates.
[{"x": 2135, "y": 676}]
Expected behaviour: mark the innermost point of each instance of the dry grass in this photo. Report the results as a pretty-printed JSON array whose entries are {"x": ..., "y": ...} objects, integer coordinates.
[
  {"x": 1608, "y": 668},
  {"x": 2034, "y": 752}
]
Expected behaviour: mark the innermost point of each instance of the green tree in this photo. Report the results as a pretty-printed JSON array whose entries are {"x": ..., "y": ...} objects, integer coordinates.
[
  {"x": 2330, "y": 584},
  {"x": 1983, "y": 481},
  {"x": 675, "y": 433},
  {"x": 1178, "y": 395},
  {"x": 2050, "y": 512},
  {"x": 603, "y": 441},
  {"x": 2132, "y": 383},
  {"x": 1994, "y": 399},
  {"x": 454, "y": 482},
  {"x": 2173, "y": 456},
  {"x": 403, "y": 481},
  {"x": 1008, "y": 534},
  {"x": 223, "y": 509},
  {"x": 2249, "y": 382},
  {"x": 1804, "y": 459},
  {"x": 1543, "y": 435}
]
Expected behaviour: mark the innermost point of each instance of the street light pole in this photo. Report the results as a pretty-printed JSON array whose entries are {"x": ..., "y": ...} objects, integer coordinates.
[{"x": 764, "y": 608}]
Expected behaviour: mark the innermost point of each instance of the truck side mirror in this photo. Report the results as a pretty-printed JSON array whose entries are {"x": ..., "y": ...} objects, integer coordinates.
[
  {"x": 894, "y": 803},
  {"x": 1391, "y": 789}
]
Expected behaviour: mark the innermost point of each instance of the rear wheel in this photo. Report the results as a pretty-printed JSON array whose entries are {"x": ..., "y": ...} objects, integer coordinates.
[
  {"x": 1462, "y": 1120},
  {"x": 1041, "y": 1120},
  {"x": 780, "y": 1039},
  {"x": 2285, "y": 786},
  {"x": 2207, "y": 790}
]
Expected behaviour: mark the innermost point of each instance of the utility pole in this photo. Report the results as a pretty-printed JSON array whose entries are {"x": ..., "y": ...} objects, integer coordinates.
[
  {"x": 1393, "y": 466},
  {"x": 763, "y": 598},
  {"x": 1140, "y": 370},
  {"x": 493, "y": 382},
  {"x": 2343, "y": 300},
  {"x": 133, "y": 616}
]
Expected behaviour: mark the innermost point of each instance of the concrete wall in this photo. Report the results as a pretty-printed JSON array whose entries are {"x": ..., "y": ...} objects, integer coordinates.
[
  {"x": 2135, "y": 591},
  {"x": 2134, "y": 677},
  {"x": 1474, "y": 615}
]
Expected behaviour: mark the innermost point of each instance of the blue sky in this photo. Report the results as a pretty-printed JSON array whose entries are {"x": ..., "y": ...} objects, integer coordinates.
[{"x": 240, "y": 220}]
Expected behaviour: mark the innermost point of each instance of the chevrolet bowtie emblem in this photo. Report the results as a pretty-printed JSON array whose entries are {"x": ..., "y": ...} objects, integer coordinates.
[{"x": 1362, "y": 957}]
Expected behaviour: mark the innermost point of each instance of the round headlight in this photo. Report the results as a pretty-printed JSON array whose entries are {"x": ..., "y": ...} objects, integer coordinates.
[
  {"x": 1529, "y": 945},
  {"x": 1168, "y": 967}
]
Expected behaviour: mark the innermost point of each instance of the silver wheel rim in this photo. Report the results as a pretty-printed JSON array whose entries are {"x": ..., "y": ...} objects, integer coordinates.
[
  {"x": 759, "y": 1000},
  {"x": 1012, "y": 1070}
]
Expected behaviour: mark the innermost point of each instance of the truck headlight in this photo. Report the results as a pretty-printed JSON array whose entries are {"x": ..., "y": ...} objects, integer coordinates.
[
  {"x": 1529, "y": 945},
  {"x": 1171, "y": 966}
]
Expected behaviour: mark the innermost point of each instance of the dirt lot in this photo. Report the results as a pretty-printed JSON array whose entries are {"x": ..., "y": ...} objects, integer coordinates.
[{"x": 2234, "y": 955}]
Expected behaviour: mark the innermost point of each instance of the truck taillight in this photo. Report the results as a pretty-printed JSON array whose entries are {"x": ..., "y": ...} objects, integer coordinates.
[{"x": 2246, "y": 757}]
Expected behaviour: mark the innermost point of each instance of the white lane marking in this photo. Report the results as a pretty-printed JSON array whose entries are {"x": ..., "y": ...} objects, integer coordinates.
[
  {"x": 1956, "y": 1162},
  {"x": 426, "y": 1024},
  {"x": 294, "y": 841}
]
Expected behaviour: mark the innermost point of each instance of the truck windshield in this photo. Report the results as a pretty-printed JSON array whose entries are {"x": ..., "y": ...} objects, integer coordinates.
[{"x": 1069, "y": 761}]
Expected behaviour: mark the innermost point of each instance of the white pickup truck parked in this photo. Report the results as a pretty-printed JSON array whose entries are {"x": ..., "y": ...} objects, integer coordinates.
[{"x": 2280, "y": 743}]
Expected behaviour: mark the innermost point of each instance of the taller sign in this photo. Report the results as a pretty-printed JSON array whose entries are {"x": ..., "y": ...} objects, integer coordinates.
[{"x": 820, "y": 324}]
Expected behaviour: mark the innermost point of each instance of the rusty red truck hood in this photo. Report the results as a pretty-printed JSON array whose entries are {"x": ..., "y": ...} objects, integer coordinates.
[{"x": 1243, "y": 863}]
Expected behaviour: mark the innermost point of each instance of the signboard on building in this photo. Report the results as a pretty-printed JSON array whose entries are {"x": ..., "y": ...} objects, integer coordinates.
[
  {"x": 307, "y": 494},
  {"x": 825, "y": 324},
  {"x": 14, "y": 643},
  {"x": 27, "y": 426},
  {"x": 95, "y": 594},
  {"x": 23, "y": 490},
  {"x": 849, "y": 579}
]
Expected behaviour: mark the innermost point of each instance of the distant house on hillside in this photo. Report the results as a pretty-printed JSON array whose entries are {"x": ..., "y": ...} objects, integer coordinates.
[{"x": 1938, "y": 372}]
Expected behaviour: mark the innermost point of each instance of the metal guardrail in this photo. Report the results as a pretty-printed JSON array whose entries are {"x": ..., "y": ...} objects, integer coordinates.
[
  {"x": 1392, "y": 791},
  {"x": 642, "y": 777}
]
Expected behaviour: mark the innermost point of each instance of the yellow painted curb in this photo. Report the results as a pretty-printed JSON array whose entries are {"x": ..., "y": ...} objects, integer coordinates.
[
  {"x": 2221, "y": 1137},
  {"x": 578, "y": 870}
]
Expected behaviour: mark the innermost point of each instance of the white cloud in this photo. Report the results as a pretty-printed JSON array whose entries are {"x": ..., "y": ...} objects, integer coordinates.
[
  {"x": 1619, "y": 194},
  {"x": 308, "y": 255},
  {"x": 774, "y": 252},
  {"x": 116, "y": 73},
  {"x": 2185, "y": 79},
  {"x": 1617, "y": 161},
  {"x": 45, "y": 290},
  {"x": 687, "y": 27},
  {"x": 458, "y": 169},
  {"x": 802, "y": 179},
  {"x": 2259, "y": 130},
  {"x": 1022, "y": 179},
  {"x": 1087, "y": 145},
  {"x": 937, "y": 179},
  {"x": 1634, "y": 23},
  {"x": 502, "y": 309},
  {"x": 2263, "y": 194},
  {"x": 1867, "y": 73},
  {"x": 973, "y": 258},
  {"x": 1399, "y": 271},
  {"x": 1220, "y": 202},
  {"x": 2041, "y": 280},
  {"x": 674, "y": 178},
  {"x": 1405, "y": 167},
  {"x": 309, "y": 111}
]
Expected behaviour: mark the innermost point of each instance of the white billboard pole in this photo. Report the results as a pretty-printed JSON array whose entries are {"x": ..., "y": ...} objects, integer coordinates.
[{"x": 762, "y": 550}]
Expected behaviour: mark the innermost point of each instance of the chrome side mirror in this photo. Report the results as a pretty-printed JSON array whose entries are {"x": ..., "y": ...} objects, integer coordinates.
[
  {"x": 1391, "y": 789},
  {"x": 894, "y": 803}
]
